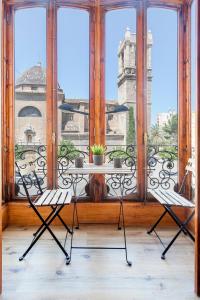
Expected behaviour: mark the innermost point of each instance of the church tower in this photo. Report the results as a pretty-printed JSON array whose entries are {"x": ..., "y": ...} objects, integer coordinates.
[{"x": 127, "y": 72}]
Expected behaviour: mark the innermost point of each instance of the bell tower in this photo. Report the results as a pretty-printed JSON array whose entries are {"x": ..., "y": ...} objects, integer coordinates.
[{"x": 127, "y": 72}]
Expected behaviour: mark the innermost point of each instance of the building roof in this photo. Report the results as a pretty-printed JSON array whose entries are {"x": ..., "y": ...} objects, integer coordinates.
[{"x": 36, "y": 75}]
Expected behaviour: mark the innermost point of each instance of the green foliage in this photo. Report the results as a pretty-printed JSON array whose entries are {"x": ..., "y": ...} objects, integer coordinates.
[
  {"x": 19, "y": 149},
  {"x": 118, "y": 152},
  {"x": 98, "y": 149},
  {"x": 131, "y": 127},
  {"x": 67, "y": 149},
  {"x": 171, "y": 128},
  {"x": 168, "y": 134},
  {"x": 156, "y": 135},
  {"x": 168, "y": 153}
]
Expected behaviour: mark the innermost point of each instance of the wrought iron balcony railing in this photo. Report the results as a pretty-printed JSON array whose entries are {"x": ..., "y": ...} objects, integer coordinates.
[{"x": 161, "y": 167}]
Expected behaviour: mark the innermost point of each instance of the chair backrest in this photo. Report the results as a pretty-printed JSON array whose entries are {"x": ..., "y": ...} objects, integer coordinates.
[
  {"x": 26, "y": 170},
  {"x": 190, "y": 168}
]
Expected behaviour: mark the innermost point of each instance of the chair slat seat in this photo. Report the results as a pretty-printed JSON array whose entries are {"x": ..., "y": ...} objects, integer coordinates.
[
  {"x": 54, "y": 197},
  {"x": 171, "y": 198},
  {"x": 43, "y": 197},
  {"x": 182, "y": 200},
  {"x": 65, "y": 197}
]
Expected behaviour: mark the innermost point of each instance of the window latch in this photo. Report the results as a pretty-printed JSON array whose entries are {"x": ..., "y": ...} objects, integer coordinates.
[{"x": 53, "y": 138}]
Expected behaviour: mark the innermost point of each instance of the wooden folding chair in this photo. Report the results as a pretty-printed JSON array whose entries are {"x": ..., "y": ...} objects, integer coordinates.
[{"x": 56, "y": 199}]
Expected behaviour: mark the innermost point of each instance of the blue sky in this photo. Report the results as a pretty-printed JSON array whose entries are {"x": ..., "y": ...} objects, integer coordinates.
[{"x": 73, "y": 50}]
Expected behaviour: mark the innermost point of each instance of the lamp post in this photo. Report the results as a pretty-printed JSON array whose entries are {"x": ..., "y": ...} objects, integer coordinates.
[{"x": 65, "y": 107}]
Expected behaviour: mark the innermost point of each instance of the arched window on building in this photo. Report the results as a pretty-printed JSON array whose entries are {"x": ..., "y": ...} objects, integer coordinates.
[{"x": 29, "y": 111}]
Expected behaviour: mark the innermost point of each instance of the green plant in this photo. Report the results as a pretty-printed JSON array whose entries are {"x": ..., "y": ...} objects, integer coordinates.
[
  {"x": 170, "y": 129},
  {"x": 130, "y": 139},
  {"x": 118, "y": 152},
  {"x": 98, "y": 149},
  {"x": 156, "y": 135},
  {"x": 67, "y": 149},
  {"x": 19, "y": 149},
  {"x": 169, "y": 153}
]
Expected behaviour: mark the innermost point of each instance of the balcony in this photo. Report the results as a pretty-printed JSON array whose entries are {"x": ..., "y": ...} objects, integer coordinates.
[
  {"x": 161, "y": 168},
  {"x": 127, "y": 73}
]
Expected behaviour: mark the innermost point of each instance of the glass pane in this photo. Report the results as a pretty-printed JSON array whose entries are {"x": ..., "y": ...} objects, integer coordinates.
[
  {"x": 162, "y": 117},
  {"x": 73, "y": 93},
  {"x": 30, "y": 93},
  {"x": 120, "y": 92}
]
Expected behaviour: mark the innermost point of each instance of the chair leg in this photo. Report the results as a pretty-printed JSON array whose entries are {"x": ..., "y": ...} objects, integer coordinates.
[
  {"x": 175, "y": 218},
  {"x": 65, "y": 225},
  {"x": 119, "y": 220},
  {"x": 53, "y": 209},
  {"x": 157, "y": 222},
  {"x": 182, "y": 228},
  {"x": 77, "y": 220},
  {"x": 46, "y": 227},
  {"x": 42, "y": 225},
  {"x": 170, "y": 244},
  {"x": 71, "y": 243},
  {"x": 124, "y": 231}
]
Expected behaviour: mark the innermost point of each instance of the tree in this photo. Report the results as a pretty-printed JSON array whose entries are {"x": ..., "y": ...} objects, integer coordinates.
[
  {"x": 171, "y": 129},
  {"x": 131, "y": 127},
  {"x": 156, "y": 135}
]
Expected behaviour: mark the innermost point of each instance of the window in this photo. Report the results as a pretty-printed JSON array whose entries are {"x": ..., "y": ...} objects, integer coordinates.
[
  {"x": 120, "y": 85},
  {"x": 29, "y": 111},
  {"x": 30, "y": 91},
  {"x": 73, "y": 76},
  {"x": 120, "y": 75},
  {"x": 92, "y": 68},
  {"x": 73, "y": 92},
  {"x": 162, "y": 90}
]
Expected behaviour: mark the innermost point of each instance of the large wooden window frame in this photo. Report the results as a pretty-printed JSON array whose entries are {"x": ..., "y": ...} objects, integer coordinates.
[{"x": 97, "y": 10}]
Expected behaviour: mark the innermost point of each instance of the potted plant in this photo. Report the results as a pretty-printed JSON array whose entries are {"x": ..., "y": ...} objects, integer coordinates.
[{"x": 98, "y": 154}]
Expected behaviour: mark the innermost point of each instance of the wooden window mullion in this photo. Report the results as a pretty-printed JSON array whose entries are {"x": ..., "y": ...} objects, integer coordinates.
[
  {"x": 9, "y": 103},
  {"x": 97, "y": 90},
  {"x": 99, "y": 97},
  {"x": 5, "y": 106},
  {"x": 197, "y": 151},
  {"x": 184, "y": 98},
  {"x": 141, "y": 85},
  {"x": 51, "y": 94}
]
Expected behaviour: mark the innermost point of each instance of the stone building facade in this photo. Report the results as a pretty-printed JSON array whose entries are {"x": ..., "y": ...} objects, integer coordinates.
[
  {"x": 30, "y": 106},
  {"x": 127, "y": 77},
  {"x": 30, "y": 103}
]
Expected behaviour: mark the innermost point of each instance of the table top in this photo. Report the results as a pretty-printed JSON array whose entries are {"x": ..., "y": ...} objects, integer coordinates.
[{"x": 103, "y": 169}]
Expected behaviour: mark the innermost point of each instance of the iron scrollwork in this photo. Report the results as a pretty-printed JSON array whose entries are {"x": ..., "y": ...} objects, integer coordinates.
[
  {"x": 66, "y": 160},
  {"x": 162, "y": 166},
  {"x": 38, "y": 158},
  {"x": 126, "y": 183}
]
